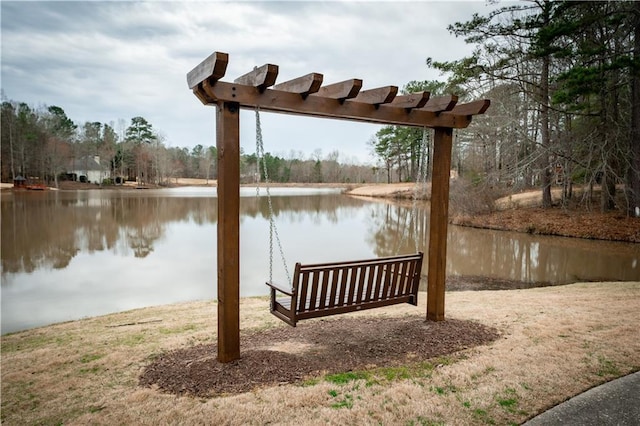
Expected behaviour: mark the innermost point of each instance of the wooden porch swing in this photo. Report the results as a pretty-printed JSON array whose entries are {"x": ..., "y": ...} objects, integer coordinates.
[{"x": 306, "y": 96}]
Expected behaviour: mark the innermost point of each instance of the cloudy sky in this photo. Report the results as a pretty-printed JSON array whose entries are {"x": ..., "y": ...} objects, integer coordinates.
[{"x": 109, "y": 61}]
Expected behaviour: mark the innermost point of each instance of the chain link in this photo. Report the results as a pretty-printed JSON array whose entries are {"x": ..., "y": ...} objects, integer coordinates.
[{"x": 273, "y": 230}]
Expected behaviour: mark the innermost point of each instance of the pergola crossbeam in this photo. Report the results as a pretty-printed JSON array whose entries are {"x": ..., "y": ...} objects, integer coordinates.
[
  {"x": 306, "y": 96},
  {"x": 320, "y": 106}
]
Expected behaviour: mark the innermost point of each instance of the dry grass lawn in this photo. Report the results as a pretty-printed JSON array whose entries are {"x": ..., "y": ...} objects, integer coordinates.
[{"x": 556, "y": 342}]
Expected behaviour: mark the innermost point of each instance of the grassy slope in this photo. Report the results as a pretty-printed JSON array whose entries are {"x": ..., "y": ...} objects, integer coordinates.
[{"x": 557, "y": 342}]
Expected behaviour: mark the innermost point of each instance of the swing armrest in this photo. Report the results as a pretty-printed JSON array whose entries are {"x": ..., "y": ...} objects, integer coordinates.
[{"x": 288, "y": 291}]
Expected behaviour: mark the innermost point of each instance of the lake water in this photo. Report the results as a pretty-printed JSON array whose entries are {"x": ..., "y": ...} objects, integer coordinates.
[{"x": 68, "y": 255}]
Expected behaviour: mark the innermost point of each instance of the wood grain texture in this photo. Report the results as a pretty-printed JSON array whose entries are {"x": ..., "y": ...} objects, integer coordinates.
[
  {"x": 333, "y": 288},
  {"x": 261, "y": 77},
  {"x": 214, "y": 67},
  {"x": 342, "y": 90},
  {"x": 439, "y": 216},
  {"x": 227, "y": 142},
  {"x": 320, "y": 106},
  {"x": 412, "y": 100},
  {"x": 380, "y": 95},
  {"x": 304, "y": 85}
]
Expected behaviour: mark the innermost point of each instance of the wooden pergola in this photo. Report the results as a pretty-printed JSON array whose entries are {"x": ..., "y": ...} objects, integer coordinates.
[{"x": 307, "y": 96}]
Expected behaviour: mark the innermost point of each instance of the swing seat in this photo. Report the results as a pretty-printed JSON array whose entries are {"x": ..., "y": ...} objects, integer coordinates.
[{"x": 324, "y": 289}]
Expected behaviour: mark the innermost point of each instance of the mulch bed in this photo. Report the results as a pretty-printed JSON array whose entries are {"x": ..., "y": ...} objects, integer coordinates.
[{"x": 312, "y": 349}]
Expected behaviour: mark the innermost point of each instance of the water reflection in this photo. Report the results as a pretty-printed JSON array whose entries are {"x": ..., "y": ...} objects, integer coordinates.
[
  {"x": 530, "y": 258},
  {"x": 67, "y": 255}
]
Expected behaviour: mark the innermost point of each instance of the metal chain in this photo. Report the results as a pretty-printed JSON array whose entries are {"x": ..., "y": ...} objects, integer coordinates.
[{"x": 273, "y": 230}]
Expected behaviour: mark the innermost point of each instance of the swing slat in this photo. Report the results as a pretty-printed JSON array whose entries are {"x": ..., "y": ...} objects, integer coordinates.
[{"x": 324, "y": 289}]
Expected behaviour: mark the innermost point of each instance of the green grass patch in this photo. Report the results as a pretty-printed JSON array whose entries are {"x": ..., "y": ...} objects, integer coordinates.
[
  {"x": 349, "y": 376},
  {"x": 346, "y": 402},
  {"x": 395, "y": 373},
  {"x": 90, "y": 357},
  {"x": 606, "y": 367},
  {"x": 509, "y": 404},
  {"x": 14, "y": 342},
  {"x": 423, "y": 421},
  {"x": 509, "y": 401},
  {"x": 444, "y": 390},
  {"x": 178, "y": 330},
  {"x": 91, "y": 370},
  {"x": 484, "y": 372},
  {"x": 388, "y": 374},
  {"x": 24, "y": 397},
  {"x": 483, "y": 416},
  {"x": 311, "y": 382},
  {"x": 132, "y": 340}
]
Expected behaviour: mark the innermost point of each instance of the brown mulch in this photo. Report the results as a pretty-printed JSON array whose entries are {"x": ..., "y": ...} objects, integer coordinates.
[{"x": 312, "y": 349}]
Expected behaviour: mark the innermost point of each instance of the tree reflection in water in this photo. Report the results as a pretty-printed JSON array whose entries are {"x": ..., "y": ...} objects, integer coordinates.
[{"x": 158, "y": 247}]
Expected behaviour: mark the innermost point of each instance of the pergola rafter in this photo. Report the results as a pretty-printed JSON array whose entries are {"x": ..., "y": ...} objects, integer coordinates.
[{"x": 307, "y": 96}]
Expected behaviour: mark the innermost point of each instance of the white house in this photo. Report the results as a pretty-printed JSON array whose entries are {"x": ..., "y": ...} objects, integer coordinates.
[{"x": 88, "y": 169}]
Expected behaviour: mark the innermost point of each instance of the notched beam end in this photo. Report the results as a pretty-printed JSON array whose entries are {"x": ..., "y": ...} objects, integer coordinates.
[
  {"x": 472, "y": 108},
  {"x": 304, "y": 85},
  {"x": 262, "y": 77},
  {"x": 441, "y": 104},
  {"x": 380, "y": 95},
  {"x": 343, "y": 90},
  {"x": 412, "y": 100},
  {"x": 214, "y": 67}
]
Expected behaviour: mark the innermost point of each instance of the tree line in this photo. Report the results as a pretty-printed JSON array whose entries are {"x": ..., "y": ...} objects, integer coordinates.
[
  {"x": 563, "y": 78},
  {"x": 564, "y": 81},
  {"x": 44, "y": 142}
]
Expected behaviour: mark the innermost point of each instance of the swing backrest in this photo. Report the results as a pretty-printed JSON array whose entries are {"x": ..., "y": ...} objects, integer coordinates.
[{"x": 339, "y": 287}]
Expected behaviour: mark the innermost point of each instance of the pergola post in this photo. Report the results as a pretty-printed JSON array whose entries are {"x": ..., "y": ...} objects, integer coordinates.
[
  {"x": 442, "y": 144},
  {"x": 228, "y": 145}
]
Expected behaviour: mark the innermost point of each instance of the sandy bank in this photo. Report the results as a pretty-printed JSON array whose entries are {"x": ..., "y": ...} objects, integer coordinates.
[{"x": 388, "y": 190}]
